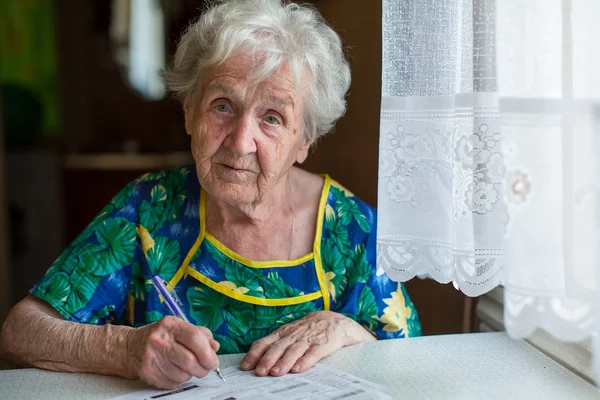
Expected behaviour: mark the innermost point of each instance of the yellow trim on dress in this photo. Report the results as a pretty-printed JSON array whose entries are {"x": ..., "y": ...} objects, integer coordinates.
[
  {"x": 130, "y": 309},
  {"x": 317, "y": 244},
  {"x": 316, "y": 254},
  {"x": 241, "y": 259},
  {"x": 251, "y": 299},
  {"x": 257, "y": 264},
  {"x": 186, "y": 262}
]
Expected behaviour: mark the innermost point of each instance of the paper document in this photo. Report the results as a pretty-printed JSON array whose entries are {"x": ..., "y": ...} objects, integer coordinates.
[{"x": 324, "y": 382}]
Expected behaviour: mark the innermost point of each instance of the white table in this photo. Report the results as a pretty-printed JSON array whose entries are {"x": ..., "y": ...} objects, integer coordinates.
[{"x": 475, "y": 366}]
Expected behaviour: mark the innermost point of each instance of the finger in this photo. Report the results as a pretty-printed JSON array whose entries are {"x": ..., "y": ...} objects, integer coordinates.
[
  {"x": 215, "y": 345},
  {"x": 289, "y": 358},
  {"x": 198, "y": 343},
  {"x": 311, "y": 357},
  {"x": 153, "y": 374},
  {"x": 186, "y": 361},
  {"x": 206, "y": 331},
  {"x": 257, "y": 350},
  {"x": 162, "y": 382},
  {"x": 173, "y": 373},
  {"x": 272, "y": 355}
]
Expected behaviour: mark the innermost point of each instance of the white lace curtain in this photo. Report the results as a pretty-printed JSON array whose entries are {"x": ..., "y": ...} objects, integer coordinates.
[{"x": 489, "y": 154}]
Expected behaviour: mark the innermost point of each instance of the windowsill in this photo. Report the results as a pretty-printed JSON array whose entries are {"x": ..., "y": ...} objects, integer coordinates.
[
  {"x": 574, "y": 356},
  {"x": 127, "y": 162}
]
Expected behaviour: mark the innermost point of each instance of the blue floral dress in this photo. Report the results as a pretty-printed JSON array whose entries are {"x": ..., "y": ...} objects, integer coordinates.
[{"x": 156, "y": 225}]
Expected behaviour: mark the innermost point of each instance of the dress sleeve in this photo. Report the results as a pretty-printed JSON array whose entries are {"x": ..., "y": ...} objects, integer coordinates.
[
  {"x": 381, "y": 306},
  {"x": 89, "y": 281}
]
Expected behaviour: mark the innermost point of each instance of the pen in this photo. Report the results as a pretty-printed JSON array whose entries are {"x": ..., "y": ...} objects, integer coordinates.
[{"x": 173, "y": 304}]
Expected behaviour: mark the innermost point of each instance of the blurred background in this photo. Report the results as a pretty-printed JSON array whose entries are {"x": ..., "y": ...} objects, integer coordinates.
[{"x": 84, "y": 112}]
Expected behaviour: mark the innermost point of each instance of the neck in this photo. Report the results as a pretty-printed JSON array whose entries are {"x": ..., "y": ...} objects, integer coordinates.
[{"x": 267, "y": 211}]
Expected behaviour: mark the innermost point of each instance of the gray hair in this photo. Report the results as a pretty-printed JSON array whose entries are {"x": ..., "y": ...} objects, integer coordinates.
[{"x": 278, "y": 31}]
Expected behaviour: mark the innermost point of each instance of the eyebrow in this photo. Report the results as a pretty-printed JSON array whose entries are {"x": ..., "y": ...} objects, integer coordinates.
[
  {"x": 282, "y": 102},
  {"x": 225, "y": 89}
]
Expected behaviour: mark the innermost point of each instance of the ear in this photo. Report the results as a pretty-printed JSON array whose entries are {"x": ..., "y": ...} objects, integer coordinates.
[
  {"x": 187, "y": 115},
  {"x": 302, "y": 151}
]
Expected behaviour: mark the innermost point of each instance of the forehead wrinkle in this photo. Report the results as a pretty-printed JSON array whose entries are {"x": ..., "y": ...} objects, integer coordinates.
[
  {"x": 280, "y": 101},
  {"x": 215, "y": 85}
]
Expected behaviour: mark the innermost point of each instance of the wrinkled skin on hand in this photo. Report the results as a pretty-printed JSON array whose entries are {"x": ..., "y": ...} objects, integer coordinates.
[
  {"x": 169, "y": 352},
  {"x": 299, "y": 345}
]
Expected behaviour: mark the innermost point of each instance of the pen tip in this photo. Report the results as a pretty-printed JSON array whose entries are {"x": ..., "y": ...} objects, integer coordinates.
[{"x": 218, "y": 371}]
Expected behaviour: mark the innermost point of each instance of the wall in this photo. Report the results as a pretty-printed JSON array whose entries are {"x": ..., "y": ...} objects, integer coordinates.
[
  {"x": 100, "y": 111},
  {"x": 5, "y": 293},
  {"x": 349, "y": 154},
  {"x": 73, "y": 20}
]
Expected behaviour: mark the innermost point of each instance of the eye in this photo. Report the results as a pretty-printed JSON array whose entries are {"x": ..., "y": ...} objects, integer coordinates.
[
  {"x": 222, "y": 108},
  {"x": 272, "y": 120}
]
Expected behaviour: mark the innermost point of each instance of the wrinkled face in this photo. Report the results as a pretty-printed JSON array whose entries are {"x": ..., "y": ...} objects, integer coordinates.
[{"x": 246, "y": 135}]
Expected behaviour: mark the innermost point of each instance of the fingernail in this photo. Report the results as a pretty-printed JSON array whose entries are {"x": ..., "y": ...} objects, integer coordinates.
[
  {"x": 245, "y": 365},
  {"x": 296, "y": 368},
  {"x": 261, "y": 370},
  {"x": 275, "y": 370}
]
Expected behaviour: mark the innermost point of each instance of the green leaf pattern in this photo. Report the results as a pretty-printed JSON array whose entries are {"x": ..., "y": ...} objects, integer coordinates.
[
  {"x": 103, "y": 314},
  {"x": 413, "y": 323},
  {"x": 206, "y": 306},
  {"x": 56, "y": 286},
  {"x": 252, "y": 336},
  {"x": 175, "y": 182},
  {"x": 115, "y": 249},
  {"x": 338, "y": 234},
  {"x": 218, "y": 256},
  {"x": 68, "y": 293},
  {"x": 244, "y": 277},
  {"x": 344, "y": 265},
  {"x": 294, "y": 312},
  {"x": 72, "y": 280},
  {"x": 137, "y": 285},
  {"x": 361, "y": 271},
  {"x": 89, "y": 230},
  {"x": 83, "y": 285},
  {"x": 151, "y": 176},
  {"x": 164, "y": 257},
  {"x": 228, "y": 345},
  {"x": 152, "y": 213},
  {"x": 123, "y": 196},
  {"x": 367, "y": 309},
  {"x": 334, "y": 265},
  {"x": 153, "y": 316},
  {"x": 210, "y": 309},
  {"x": 166, "y": 199},
  {"x": 348, "y": 209},
  {"x": 238, "y": 316},
  {"x": 258, "y": 285}
]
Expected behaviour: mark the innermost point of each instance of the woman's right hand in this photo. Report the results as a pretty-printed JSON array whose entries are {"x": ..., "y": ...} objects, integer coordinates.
[{"x": 169, "y": 352}]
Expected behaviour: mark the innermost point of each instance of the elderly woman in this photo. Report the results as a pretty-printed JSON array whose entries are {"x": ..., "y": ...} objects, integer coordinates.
[{"x": 265, "y": 257}]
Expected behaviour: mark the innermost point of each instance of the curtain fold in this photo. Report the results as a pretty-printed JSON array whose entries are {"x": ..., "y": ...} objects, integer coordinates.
[
  {"x": 441, "y": 162},
  {"x": 489, "y": 149}
]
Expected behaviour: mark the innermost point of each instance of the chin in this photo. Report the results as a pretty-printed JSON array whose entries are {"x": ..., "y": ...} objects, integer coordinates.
[{"x": 232, "y": 193}]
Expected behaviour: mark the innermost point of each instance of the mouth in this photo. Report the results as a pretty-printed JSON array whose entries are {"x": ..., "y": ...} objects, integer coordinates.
[{"x": 233, "y": 169}]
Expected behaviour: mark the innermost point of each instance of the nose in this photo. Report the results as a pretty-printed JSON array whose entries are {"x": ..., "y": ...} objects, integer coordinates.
[{"x": 241, "y": 139}]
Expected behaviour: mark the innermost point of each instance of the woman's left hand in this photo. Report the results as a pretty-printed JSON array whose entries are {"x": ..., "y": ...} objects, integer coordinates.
[{"x": 297, "y": 346}]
